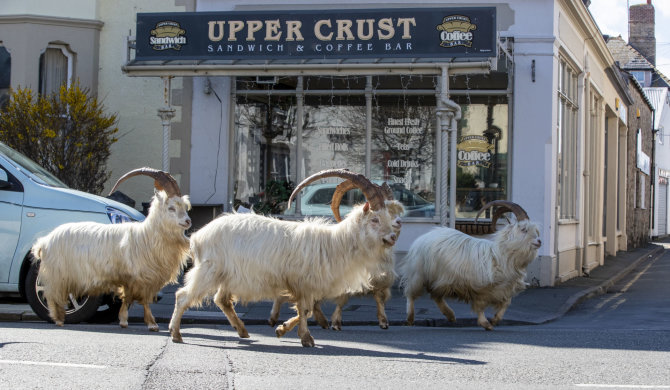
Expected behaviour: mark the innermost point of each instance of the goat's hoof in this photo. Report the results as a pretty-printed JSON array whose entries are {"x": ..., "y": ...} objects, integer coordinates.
[
  {"x": 176, "y": 337},
  {"x": 243, "y": 334},
  {"x": 324, "y": 325},
  {"x": 123, "y": 324},
  {"x": 272, "y": 322},
  {"x": 336, "y": 327},
  {"x": 384, "y": 325},
  {"x": 280, "y": 331},
  {"x": 409, "y": 323},
  {"x": 59, "y": 323},
  {"x": 154, "y": 328},
  {"x": 487, "y": 326},
  {"x": 307, "y": 341}
]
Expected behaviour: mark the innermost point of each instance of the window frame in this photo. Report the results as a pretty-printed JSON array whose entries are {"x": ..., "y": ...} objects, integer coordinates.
[
  {"x": 567, "y": 127},
  {"x": 69, "y": 55}
]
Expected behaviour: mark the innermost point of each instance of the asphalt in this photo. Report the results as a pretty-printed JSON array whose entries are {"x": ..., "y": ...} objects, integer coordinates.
[{"x": 535, "y": 305}]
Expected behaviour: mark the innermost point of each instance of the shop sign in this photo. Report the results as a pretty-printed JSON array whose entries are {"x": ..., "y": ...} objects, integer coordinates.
[
  {"x": 474, "y": 150},
  {"x": 318, "y": 34}
]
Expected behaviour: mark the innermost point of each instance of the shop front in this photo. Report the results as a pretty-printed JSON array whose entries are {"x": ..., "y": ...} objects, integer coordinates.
[{"x": 374, "y": 91}]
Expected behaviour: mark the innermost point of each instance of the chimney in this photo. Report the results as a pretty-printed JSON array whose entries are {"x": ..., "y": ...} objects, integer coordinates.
[{"x": 641, "y": 27}]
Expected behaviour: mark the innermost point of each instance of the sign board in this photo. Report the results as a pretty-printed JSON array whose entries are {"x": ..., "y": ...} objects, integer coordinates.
[{"x": 317, "y": 34}]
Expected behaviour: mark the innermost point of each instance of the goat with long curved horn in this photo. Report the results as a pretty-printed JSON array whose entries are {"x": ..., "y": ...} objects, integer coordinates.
[{"x": 163, "y": 181}]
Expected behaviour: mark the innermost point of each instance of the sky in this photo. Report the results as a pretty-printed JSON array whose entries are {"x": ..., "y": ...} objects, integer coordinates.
[{"x": 612, "y": 19}]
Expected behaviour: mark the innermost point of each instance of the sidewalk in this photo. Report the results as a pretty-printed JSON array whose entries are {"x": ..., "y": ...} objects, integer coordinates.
[{"x": 532, "y": 306}]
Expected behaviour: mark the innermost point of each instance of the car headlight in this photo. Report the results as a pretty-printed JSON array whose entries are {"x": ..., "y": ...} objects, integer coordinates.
[{"x": 118, "y": 216}]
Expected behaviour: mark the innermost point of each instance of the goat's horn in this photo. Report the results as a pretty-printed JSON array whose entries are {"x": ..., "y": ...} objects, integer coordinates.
[
  {"x": 163, "y": 181},
  {"x": 340, "y": 190},
  {"x": 496, "y": 215},
  {"x": 518, "y": 211},
  {"x": 348, "y": 185},
  {"x": 371, "y": 191}
]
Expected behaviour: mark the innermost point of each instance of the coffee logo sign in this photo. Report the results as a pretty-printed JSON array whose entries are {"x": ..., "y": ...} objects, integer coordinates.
[
  {"x": 455, "y": 31},
  {"x": 167, "y": 35},
  {"x": 474, "y": 150}
]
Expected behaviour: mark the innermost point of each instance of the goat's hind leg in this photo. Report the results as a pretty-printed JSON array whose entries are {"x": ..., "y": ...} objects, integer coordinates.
[
  {"x": 479, "y": 307},
  {"x": 444, "y": 308},
  {"x": 336, "y": 318},
  {"x": 192, "y": 292},
  {"x": 319, "y": 316},
  {"x": 56, "y": 309},
  {"x": 225, "y": 302},
  {"x": 149, "y": 318},
  {"x": 500, "y": 312}
]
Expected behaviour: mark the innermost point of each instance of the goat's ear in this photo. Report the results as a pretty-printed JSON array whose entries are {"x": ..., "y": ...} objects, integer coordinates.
[{"x": 366, "y": 208}]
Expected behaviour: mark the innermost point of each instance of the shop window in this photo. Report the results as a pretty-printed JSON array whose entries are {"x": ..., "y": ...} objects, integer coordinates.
[
  {"x": 5, "y": 75},
  {"x": 382, "y": 125},
  {"x": 265, "y": 149},
  {"x": 567, "y": 141},
  {"x": 56, "y": 64},
  {"x": 403, "y": 150},
  {"x": 482, "y": 153}
]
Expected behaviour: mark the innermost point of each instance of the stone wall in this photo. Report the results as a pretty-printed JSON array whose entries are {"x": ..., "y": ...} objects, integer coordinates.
[{"x": 639, "y": 185}]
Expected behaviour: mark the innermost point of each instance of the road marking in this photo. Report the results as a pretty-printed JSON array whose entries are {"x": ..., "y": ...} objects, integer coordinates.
[
  {"x": 606, "y": 386},
  {"x": 74, "y": 365}
]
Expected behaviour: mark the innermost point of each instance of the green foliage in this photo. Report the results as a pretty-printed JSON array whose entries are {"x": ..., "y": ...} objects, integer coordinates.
[
  {"x": 274, "y": 198},
  {"x": 68, "y": 133}
]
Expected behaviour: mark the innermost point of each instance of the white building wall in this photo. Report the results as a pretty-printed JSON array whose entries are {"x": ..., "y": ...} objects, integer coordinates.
[
  {"x": 662, "y": 154},
  {"x": 76, "y": 9},
  {"x": 135, "y": 99}
]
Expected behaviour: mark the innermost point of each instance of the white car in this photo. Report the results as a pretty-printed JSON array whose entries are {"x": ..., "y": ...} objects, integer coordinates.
[
  {"x": 315, "y": 200},
  {"x": 32, "y": 203}
]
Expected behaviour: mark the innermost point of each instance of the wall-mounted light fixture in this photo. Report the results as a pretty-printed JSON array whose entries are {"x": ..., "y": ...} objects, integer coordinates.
[{"x": 532, "y": 70}]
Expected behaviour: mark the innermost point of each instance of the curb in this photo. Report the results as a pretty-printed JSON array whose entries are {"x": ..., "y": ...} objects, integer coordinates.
[{"x": 600, "y": 289}]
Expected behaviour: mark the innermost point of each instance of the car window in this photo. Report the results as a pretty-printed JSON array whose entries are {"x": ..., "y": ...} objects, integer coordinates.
[
  {"x": 30, "y": 167},
  {"x": 322, "y": 196}
]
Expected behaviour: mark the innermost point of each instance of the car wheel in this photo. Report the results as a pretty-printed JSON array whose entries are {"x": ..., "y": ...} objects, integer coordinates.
[
  {"x": 108, "y": 311},
  {"x": 77, "y": 310}
]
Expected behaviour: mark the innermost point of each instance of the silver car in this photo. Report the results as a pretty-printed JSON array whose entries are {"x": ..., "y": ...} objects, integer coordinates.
[{"x": 32, "y": 203}]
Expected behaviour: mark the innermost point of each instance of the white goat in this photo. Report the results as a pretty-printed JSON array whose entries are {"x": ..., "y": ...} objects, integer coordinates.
[
  {"x": 482, "y": 272},
  {"x": 134, "y": 260},
  {"x": 250, "y": 257},
  {"x": 380, "y": 279}
]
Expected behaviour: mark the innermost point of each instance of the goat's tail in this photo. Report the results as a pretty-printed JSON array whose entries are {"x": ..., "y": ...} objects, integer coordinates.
[{"x": 38, "y": 249}]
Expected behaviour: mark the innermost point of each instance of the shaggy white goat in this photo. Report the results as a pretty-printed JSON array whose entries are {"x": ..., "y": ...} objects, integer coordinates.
[
  {"x": 134, "y": 260},
  {"x": 250, "y": 257},
  {"x": 482, "y": 272},
  {"x": 380, "y": 279}
]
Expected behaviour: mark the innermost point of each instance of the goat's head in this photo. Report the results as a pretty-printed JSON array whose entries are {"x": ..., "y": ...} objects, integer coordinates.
[
  {"x": 395, "y": 208},
  {"x": 168, "y": 204},
  {"x": 521, "y": 235},
  {"x": 379, "y": 217}
]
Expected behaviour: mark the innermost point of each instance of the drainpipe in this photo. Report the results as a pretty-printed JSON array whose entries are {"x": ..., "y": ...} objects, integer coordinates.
[
  {"x": 166, "y": 113},
  {"x": 448, "y": 113}
]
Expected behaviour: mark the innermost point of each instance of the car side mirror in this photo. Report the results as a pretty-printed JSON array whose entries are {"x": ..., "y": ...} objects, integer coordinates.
[{"x": 4, "y": 180}]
